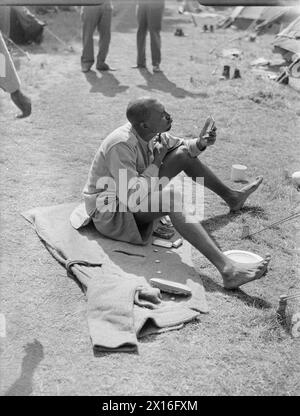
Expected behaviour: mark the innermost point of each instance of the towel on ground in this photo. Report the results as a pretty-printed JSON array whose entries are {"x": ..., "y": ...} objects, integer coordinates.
[{"x": 121, "y": 304}]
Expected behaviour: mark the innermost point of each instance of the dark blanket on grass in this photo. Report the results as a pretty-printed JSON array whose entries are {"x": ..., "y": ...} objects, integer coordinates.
[{"x": 119, "y": 298}]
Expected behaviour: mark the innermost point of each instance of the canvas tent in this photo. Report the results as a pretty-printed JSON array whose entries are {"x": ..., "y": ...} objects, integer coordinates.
[
  {"x": 277, "y": 18},
  {"x": 287, "y": 42},
  {"x": 20, "y": 25},
  {"x": 225, "y": 3},
  {"x": 50, "y": 2},
  {"x": 242, "y": 17},
  {"x": 271, "y": 19},
  {"x": 204, "y": 2},
  {"x": 247, "y": 2}
]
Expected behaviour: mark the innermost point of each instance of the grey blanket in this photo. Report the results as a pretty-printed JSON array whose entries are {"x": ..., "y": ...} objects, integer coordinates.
[{"x": 121, "y": 303}]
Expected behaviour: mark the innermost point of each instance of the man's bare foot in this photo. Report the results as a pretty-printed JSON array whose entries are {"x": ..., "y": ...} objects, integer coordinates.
[
  {"x": 235, "y": 274},
  {"x": 22, "y": 102},
  {"x": 239, "y": 197}
]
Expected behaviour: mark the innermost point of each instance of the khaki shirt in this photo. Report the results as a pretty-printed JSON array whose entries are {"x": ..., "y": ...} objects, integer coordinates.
[
  {"x": 122, "y": 165},
  {"x": 127, "y": 159}
]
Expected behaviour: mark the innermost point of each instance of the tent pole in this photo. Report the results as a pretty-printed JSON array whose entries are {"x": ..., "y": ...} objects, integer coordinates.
[
  {"x": 16, "y": 46},
  {"x": 70, "y": 48}
]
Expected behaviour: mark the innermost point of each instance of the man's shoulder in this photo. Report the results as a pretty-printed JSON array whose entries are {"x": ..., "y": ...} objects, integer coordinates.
[{"x": 122, "y": 135}]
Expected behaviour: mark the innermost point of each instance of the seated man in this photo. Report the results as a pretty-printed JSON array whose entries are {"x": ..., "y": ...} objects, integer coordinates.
[{"x": 135, "y": 157}]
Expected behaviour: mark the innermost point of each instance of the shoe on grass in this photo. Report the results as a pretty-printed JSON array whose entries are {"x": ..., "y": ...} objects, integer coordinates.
[
  {"x": 156, "y": 68},
  {"x": 104, "y": 67},
  {"x": 22, "y": 102},
  {"x": 139, "y": 66},
  {"x": 85, "y": 67}
]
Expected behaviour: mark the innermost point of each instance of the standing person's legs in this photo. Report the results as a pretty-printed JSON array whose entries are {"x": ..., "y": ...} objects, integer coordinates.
[
  {"x": 22, "y": 102},
  {"x": 89, "y": 17},
  {"x": 155, "y": 14},
  {"x": 141, "y": 34},
  {"x": 9, "y": 79},
  {"x": 104, "y": 29},
  {"x": 10, "y": 82}
]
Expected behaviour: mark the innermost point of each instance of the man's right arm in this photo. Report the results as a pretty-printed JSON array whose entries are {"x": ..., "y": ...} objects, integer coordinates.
[{"x": 121, "y": 162}]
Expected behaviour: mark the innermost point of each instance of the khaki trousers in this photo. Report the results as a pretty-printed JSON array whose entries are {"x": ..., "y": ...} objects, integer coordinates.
[
  {"x": 96, "y": 17},
  {"x": 149, "y": 17}
]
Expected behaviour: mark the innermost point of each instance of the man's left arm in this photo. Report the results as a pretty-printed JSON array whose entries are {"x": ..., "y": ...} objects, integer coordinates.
[
  {"x": 194, "y": 146},
  {"x": 206, "y": 138},
  {"x": 199, "y": 144}
]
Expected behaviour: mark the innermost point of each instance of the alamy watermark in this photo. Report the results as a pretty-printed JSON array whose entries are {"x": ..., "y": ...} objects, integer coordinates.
[{"x": 152, "y": 194}]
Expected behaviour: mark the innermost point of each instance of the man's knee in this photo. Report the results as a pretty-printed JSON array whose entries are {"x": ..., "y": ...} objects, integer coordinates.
[{"x": 180, "y": 155}]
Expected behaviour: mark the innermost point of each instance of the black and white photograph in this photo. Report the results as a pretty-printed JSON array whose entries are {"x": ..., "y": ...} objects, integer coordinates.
[{"x": 150, "y": 200}]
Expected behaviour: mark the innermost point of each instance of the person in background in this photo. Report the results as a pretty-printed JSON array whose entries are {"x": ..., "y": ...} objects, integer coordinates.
[
  {"x": 93, "y": 17},
  {"x": 9, "y": 80},
  {"x": 149, "y": 17}
]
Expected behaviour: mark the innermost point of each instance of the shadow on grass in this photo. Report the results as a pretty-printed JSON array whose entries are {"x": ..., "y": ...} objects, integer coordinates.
[
  {"x": 211, "y": 286},
  {"x": 216, "y": 223},
  {"x": 159, "y": 81},
  {"x": 23, "y": 385},
  {"x": 219, "y": 221},
  {"x": 101, "y": 354},
  {"x": 107, "y": 84},
  {"x": 147, "y": 339}
]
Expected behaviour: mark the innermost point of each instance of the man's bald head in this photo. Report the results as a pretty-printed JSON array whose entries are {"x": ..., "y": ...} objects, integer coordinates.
[
  {"x": 140, "y": 110},
  {"x": 148, "y": 117}
]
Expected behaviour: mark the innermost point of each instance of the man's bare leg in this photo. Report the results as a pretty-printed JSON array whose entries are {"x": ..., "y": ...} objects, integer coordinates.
[
  {"x": 233, "y": 274},
  {"x": 179, "y": 160}
]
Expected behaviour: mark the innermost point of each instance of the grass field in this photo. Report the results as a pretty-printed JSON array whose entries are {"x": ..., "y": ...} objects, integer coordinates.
[{"x": 239, "y": 348}]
